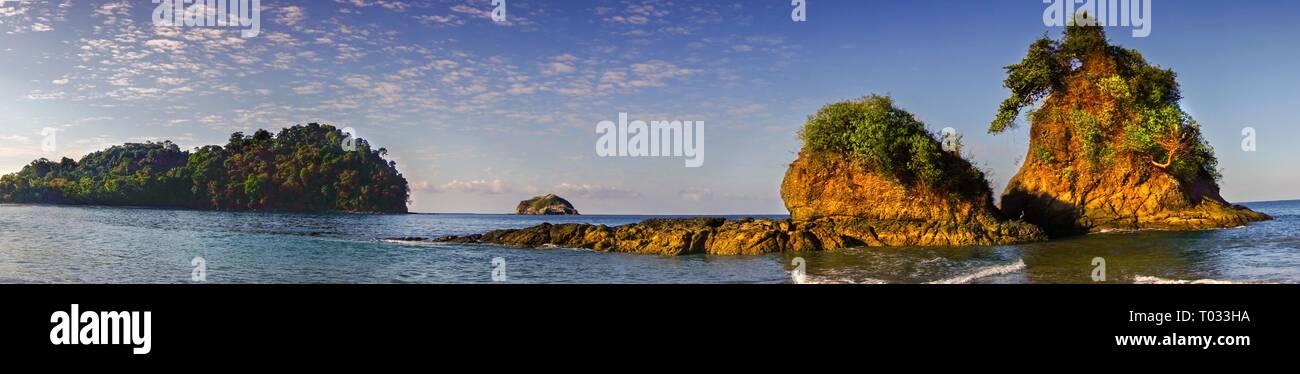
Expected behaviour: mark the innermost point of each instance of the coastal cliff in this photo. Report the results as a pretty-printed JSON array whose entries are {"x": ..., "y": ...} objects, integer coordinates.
[
  {"x": 548, "y": 205},
  {"x": 894, "y": 187},
  {"x": 1110, "y": 148}
]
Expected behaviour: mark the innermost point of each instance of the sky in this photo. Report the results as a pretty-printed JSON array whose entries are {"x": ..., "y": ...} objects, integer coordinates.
[{"x": 480, "y": 114}]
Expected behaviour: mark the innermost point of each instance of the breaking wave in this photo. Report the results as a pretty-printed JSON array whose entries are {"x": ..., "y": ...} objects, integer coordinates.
[
  {"x": 1143, "y": 279},
  {"x": 984, "y": 272}
]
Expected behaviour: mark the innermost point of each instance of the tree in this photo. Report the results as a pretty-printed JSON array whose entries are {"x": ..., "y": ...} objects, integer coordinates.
[
  {"x": 303, "y": 168},
  {"x": 1102, "y": 102}
]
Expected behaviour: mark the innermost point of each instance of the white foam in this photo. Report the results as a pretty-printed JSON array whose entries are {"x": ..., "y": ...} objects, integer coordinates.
[
  {"x": 984, "y": 272},
  {"x": 1143, "y": 279},
  {"x": 407, "y": 242},
  {"x": 834, "y": 280},
  {"x": 831, "y": 279}
]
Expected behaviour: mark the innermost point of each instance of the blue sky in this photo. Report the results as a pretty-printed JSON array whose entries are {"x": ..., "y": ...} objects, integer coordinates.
[{"x": 480, "y": 114}]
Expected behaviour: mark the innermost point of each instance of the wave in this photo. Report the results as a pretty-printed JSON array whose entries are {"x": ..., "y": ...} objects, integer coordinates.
[
  {"x": 831, "y": 279},
  {"x": 1144, "y": 279},
  {"x": 984, "y": 272},
  {"x": 406, "y": 241},
  {"x": 814, "y": 279}
]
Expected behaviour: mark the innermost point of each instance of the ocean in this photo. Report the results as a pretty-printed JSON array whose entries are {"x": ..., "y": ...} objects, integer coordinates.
[{"x": 74, "y": 244}]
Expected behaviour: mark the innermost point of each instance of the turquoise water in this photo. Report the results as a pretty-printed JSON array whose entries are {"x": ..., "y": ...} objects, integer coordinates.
[{"x": 56, "y": 244}]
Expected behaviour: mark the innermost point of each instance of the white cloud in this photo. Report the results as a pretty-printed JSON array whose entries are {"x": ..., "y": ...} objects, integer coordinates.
[
  {"x": 695, "y": 194},
  {"x": 595, "y": 191},
  {"x": 493, "y": 187},
  {"x": 292, "y": 15},
  {"x": 555, "y": 68}
]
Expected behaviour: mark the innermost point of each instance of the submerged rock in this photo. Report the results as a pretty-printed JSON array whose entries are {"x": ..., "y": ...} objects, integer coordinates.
[{"x": 549, "y": 204}]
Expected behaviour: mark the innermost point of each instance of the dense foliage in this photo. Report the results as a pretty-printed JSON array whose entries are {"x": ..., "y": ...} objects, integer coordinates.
[
  {"x": 303, "y": 168},
  {"x": 885, "y": 138},
  {"x": 1103, "y": 103},
  {"x": 542, "y": 202}
]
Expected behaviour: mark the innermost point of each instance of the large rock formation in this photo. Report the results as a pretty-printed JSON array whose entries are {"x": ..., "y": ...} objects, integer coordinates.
[
  {"x": 546, "y": 205},
  {"x": 1109, "y": 146},
  {"x": 824, "y": 187},
  {"x": 895, "y": 187}
]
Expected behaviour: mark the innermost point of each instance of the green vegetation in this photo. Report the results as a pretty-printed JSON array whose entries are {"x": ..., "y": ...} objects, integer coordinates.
[
  {"x": 884, "y": 138},
  {"x": 541, "y": 202},
  {"x": 303, "y": 168},
  {"x": 1102, "y": 101}
]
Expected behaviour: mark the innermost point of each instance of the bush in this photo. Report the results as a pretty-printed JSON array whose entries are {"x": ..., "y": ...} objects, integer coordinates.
[{"x": 884, "y": 138}]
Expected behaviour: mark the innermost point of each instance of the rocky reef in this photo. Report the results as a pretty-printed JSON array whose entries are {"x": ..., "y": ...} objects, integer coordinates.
[
  {"x": 898, "y": 188},
  {"x": 719, "y": 236},
  {"x": 1110, "y": 148},
  {"x": 549, "y": 205}
]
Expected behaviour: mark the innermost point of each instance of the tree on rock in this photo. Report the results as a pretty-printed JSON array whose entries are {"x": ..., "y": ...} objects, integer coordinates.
[{"x": 1110, "y": 146}]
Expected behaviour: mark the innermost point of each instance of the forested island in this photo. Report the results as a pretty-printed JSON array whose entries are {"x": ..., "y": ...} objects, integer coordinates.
[{"x": 304, "y": 168}]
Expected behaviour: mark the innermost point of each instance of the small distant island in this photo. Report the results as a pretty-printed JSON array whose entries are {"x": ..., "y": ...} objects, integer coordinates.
[
  {"x": 304, "y": 168},
  {"x": 549, "y": 205}
]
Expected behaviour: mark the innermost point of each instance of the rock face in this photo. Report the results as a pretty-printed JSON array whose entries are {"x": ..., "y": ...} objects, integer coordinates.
[
  {"x": 821, "y": 187},
  {"x": 1119, "y": 199},
  {"x": 546, "y": 205},
  {"x": 1110, "y": 148}
]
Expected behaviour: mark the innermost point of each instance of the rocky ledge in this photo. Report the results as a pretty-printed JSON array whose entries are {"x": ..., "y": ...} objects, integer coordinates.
[{"x": 719, "y": 236}]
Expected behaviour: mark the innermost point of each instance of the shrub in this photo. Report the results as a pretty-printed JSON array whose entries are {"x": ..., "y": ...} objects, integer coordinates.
[{"x": 884, "y": 138}]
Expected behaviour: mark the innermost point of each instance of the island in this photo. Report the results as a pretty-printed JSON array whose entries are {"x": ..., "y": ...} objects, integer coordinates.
[
  {"x": 304, "y": 168},
  {"x": 1110, "y": 147},
  {"x": 548, "y": 205}
]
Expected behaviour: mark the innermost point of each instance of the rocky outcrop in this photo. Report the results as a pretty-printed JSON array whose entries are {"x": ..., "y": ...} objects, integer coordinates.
[
  {"x": 1119, "y": 199},
  {"x": 546, "y": 205},
  {"x": 1110, "y": 148},
  {"x": 717, "y": 236}
]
